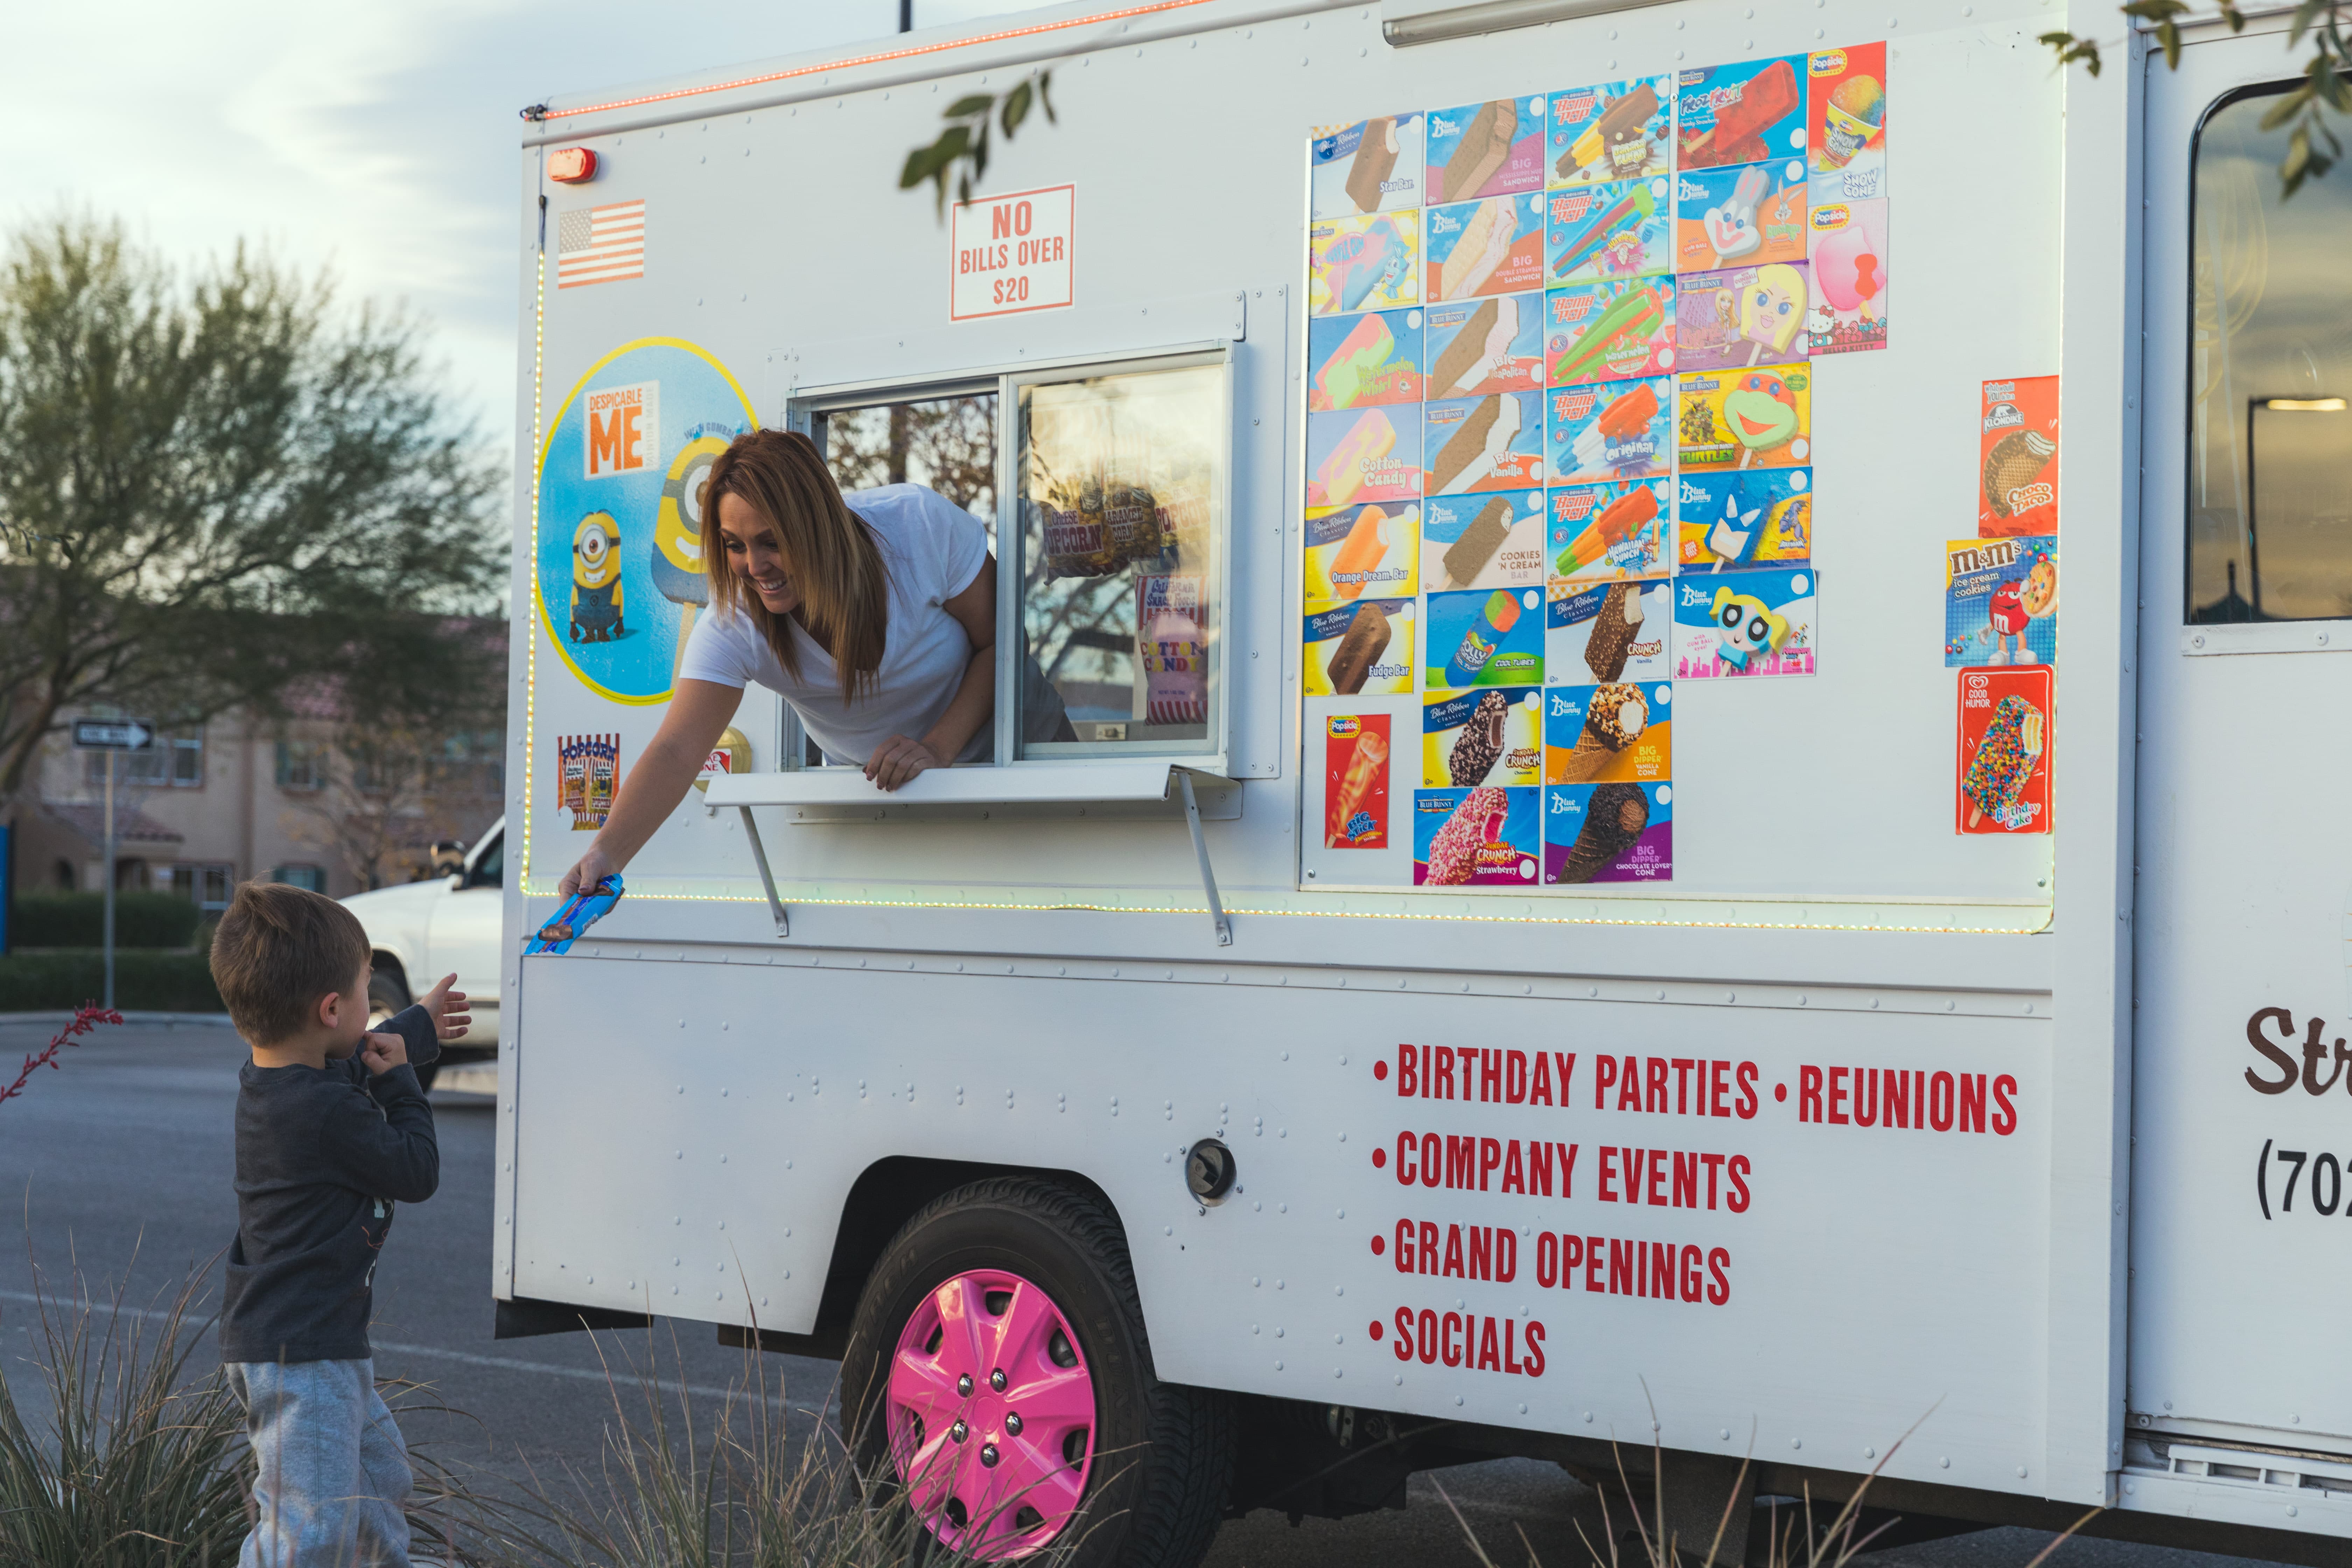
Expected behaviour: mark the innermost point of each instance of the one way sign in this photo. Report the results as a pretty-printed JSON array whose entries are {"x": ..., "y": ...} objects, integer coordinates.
[{"x": 113, "y": 734}]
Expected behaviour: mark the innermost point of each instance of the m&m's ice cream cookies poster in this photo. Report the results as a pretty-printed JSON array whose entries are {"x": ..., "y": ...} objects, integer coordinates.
[
  {"x": 2001, "y": 601},
  {"x": 2004, "y": 755},
  {"x": 1846, "y": 135}
]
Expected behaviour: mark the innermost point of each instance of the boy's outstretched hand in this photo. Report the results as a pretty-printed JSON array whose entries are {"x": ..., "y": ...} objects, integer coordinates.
[
  {"x": 382, "y": 1053},
  {"x": 450, "y": 1017}
]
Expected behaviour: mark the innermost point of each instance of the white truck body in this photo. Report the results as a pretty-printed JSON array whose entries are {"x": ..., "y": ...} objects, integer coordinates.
[{"x": 2070, "y": 1300}]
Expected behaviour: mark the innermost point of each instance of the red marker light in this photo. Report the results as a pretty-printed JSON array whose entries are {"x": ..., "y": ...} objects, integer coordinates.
[{"x": 571, "y": 165}]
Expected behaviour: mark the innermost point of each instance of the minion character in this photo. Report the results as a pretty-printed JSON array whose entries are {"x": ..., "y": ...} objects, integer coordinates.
[
  {"x": 680, "y": 573},
  {"x": 596, "y": 579},
  {"x": 1744, "y": 625}
]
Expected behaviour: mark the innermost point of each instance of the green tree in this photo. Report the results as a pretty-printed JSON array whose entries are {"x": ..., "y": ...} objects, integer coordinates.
[{"x": 216, "y": 485}]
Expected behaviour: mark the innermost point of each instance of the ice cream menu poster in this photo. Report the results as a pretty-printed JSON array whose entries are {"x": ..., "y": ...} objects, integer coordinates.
[{"x": 1562, "y": 361}]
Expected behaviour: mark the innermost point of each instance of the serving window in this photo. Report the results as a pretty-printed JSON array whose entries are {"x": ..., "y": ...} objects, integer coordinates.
[
  {"x": 1119, "y": 488},
  {"x": 1104, "y": 489}
]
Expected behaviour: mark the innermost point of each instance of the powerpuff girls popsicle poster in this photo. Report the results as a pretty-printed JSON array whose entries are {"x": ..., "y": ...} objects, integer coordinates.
[
  {"x": 613, "y": 614},
  {"x": 1730, "y": 624}
]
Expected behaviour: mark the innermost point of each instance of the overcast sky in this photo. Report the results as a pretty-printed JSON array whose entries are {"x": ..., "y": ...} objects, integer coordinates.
[{"x": 378, "y": 139}]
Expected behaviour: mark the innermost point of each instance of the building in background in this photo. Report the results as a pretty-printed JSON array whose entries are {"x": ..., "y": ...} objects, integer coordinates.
[{"x": 316, "y": 800}]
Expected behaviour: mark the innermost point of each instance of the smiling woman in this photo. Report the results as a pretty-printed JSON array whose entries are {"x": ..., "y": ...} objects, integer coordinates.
[{"x": 874, "y": 615}]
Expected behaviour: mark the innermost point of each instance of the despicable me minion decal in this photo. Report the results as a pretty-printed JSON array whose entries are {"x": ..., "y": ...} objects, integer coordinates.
[
  {"x": 616, "y": 546},
  {"x": 596, "y": 590}
]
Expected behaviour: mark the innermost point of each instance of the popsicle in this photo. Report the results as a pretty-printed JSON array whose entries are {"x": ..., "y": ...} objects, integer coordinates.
[
  {"x": 1628, "y": 114},
  {"x": 1356, "y": 264},
  {"x": 1375, "y": 159},
  {"x": 1469, "y": 554},
  {"x": 1485, "y": 147},
  {"x": 1345, "y": 376},
  {"x": 1360, "y": 555},
  {"x": 1365, "y": 764},
  {"x": 2004, "y": 764},
  {"x": 1485, "y": 241},
  {"x": 1474, "y": 346},
  {"x": 1619, "y": 521},
  {"x": 1613, "y": 630},
  {"x": 1475, "y": 824},
  {"x": 1634, "y": 316},
  {"x": 1495, "y": 618},
  {"x": 1613, "y": 818},
  {"x": 1733, "y": 533},
  {"x": 1342, "y": 473},
  {"x": 1483, "y": 436},
  {"x": 1636, "y": 208},
  {"x": 1627, "y": 416},
  {"x": 1479, "y": 746},
  {"x": 1738, "y": 136},
  {"x": 1360, "y": 646}
]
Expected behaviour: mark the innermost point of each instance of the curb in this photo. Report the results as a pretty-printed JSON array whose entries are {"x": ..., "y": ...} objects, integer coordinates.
[{"x": 168, "y": 1020}]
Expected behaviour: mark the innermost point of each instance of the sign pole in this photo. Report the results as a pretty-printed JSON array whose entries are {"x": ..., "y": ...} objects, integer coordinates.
[{"x": 110, "y": 879}]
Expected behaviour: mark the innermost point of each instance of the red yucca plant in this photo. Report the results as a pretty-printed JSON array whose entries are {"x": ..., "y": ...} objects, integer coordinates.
[{"x": 86, "y": 1017}]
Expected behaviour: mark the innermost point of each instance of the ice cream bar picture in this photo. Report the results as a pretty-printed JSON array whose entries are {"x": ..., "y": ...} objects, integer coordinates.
[
  {"x": 1483, "y": 540},
  {"x": 1849, "y": 277},
  {"x": 2017, "y": 489},
  {"x": 1489, "y": 443},
  {"x": 1608, "y": 632},
  {"x": 1363, "y": 552},
  {"x": 1740, "y": 113},
  {"x": 1368, "y": 263},
  {"x": 1484, "y": 737},
  {"x": 1486, "y": 149},
  {"x": 1358, "y": 456},
  {"x": 1614, "y": 832},
  {"x": 1360, "y": 361},
  {"x": 1741, "y": 217},
  {"x": 1356, "y": 781},
  {"x": 1615, "y": 731},
  {"x": 1366, "y": 647},
  {"x": 1493, "y": 638},
  {"x": 1470, "y": 553},
  {"x": 1621, "y": 231},
  {"x": 1602, "y": 331},
  {"x": 1481, "y": 836},
  {"x": 2004, "y": 750},
  {"x": 1372, "y": 166},
  {"x": 1367, "y": 639},
  {"x": 1614, "y": 430},
  {"x": 1846, "y": 124},
  {"x": 1618, "y": 131},
  {"x": 1490, "y": 345},
  {"x": 1492, "y": 246}
]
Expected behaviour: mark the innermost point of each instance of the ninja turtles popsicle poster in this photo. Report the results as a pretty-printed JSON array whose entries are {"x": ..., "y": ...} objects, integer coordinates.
[{"x": 619, "y": 563}]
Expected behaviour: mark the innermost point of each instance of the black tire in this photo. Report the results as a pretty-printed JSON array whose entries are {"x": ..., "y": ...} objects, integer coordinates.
[
  {"x": 1165, "y": 1453},
  {"x": 387, "y": 995}
]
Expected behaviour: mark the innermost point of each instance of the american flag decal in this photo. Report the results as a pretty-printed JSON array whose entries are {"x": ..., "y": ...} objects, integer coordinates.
[{"x": 600, "y": 245}]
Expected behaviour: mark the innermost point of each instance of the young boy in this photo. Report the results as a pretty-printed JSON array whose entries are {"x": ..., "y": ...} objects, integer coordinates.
[{"x": 332, "y": 1129}]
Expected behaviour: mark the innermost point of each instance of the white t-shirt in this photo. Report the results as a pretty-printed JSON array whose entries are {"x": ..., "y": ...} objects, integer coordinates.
[{"x": 932, "y": 550}]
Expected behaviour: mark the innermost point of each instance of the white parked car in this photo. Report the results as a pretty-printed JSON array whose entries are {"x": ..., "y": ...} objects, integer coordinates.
[{"x": 427, "y": 929}]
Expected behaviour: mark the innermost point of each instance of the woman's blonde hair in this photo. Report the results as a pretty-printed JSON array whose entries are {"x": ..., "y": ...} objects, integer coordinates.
[{"x": 829, "y": 551}]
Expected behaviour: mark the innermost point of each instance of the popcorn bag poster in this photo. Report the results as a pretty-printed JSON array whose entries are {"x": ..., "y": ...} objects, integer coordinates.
[{"x": 618, "y": 565}]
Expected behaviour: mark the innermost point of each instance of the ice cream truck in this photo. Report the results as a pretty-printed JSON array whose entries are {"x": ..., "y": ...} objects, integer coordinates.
[{"x": 1583, "y": 905}]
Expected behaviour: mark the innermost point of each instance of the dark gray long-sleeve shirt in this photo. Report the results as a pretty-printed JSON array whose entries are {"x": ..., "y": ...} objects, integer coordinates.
[{"x": 323, "y": 1154}]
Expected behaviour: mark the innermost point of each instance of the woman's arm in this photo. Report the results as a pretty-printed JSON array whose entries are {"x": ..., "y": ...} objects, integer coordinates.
[
  {"x": 898, "y": 758},
  {"x": 698, "y": 714}
]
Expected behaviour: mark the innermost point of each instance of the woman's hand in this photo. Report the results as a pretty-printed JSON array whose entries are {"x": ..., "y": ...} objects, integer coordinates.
[
  {"x": 593, "y": 869},
  {"x": 898, "y": 758}
]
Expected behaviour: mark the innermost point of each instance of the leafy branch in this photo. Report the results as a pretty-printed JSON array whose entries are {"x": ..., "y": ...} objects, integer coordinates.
[
  {"x": 2313, "y": 148},
  {"x": 963, "y": 148}
]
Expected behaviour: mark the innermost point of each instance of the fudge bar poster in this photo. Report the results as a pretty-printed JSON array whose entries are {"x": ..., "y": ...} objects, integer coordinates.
[{"x": 2004, "y": 754}]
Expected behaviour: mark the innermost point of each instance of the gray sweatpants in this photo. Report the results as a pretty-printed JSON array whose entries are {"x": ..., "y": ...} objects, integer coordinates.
[{"x": 331, "y": 1468}]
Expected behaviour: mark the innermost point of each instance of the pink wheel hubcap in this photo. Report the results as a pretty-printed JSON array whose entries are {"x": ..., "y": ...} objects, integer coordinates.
[{"x": 990, "y": 1415}]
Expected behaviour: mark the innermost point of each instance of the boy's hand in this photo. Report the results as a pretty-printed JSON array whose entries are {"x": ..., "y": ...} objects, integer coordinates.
[
  {"x": 450, "y": 1017},
  {"x": 382, "y": 1053}
]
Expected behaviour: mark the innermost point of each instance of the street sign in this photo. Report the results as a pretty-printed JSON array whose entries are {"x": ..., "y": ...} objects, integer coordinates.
[{"x": 113, "y": 734}]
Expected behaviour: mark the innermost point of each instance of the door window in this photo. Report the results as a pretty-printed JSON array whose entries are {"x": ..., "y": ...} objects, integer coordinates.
[{"x": 2270, "y": 370}]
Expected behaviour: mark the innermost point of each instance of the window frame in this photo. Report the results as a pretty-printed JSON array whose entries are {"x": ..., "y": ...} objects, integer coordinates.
[{"x": 805, "y": 411}]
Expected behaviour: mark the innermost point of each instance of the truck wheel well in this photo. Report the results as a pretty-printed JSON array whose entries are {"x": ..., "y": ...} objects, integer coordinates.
[
  {"x": 385, "y": 963},
  {"x": 885, "y": 1196}
]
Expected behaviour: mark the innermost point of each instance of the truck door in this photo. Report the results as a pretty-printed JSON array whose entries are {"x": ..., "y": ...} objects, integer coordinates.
[{"x": 2241, "y": 1214}]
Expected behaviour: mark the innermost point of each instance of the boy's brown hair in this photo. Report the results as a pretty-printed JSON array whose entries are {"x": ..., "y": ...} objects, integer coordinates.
[{"x": 277, "y": 951}]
